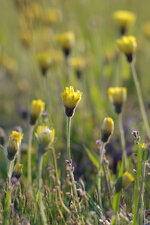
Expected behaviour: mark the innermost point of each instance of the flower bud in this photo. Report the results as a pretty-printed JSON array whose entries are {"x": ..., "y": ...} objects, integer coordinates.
[
  {"x": 78, "y": 64},
  {"x": 17, "y": 172},
  {"x": 66, "y": 41},
  {"x": 70, "y": 99},
  {"x": 45, "y": 138},
  {"x": 117, "y": 96},
  {"x": 14, "y": 144},
  {"x": 124, "y": 181},
  {"x": 124, "y": 19},
  {"x": 107, "y": 129},
  {"x": 44, "y": 61},
  {"x": 37, "y": 108},
  {"x": 127, "y": 44}
]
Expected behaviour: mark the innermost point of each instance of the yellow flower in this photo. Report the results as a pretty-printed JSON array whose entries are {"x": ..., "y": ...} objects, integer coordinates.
[
  {"x": 36, "y": 11},
  {"x": 26, "y": 39},
  {"x": 124, "y": 19},
  {"x": 51, "y": 16},
  {"x": 124, "y": 181},
  {"x": 14, "y": 144},
  {"x": 44, "y": 59},
  {"x": 78, "y": 65},
  {"x": 107, "y": 129},
  {"x": 9, "y": 64},
  {"x": 127, "y": 178},
  {"x": 70, "y": 99},
  {"x": 45, "y": 138},
  {"x": 146, "y": 29},
  {"x": 66, "y": 41},
  {"x": 127, "y": 44},
  {"x": 37, "y": 108},
  {"x": 117, "y": 96},
  {"x": 143, "y": 146},
  {"x": 17, "y": 172}
]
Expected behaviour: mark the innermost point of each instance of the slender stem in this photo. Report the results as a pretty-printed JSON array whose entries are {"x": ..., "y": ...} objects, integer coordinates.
[
  {"x": 57, "y": 178},
  {"x": 142, "y": 191},
  {"x": 107, "y": 184},
  {"x": 99, "y": 174},
  {"x": 122, "y": 136},
  {"x": 76, "y": 200},
  {"x": 29, "y": 154},
  {"x": 140, "y": 99},
  {"x": 43, "y": 216},
  {"x": 68, "y": 137},
  {"x": 8, "y": 194}
]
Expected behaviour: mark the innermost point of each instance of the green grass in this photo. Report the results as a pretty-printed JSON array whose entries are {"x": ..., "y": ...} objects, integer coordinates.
[{"x": 96, "y": 35}]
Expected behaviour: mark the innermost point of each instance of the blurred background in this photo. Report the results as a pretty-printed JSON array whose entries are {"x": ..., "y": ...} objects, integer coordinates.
[{"x": 29, "y": 28}]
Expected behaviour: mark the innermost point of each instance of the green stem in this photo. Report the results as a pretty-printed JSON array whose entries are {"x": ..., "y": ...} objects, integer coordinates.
[
  {"x": 140, "y": 99},
  {"x": 68, "y": 137},
  {"x": 76, "y": 200},
  {"x": 122, "y": 136},
  {"x": 107, "y": 184},
  {"x": 58, "y": 182},
  {"x": 8, "y": 194},
  {"x": 29, "y": 154},
  {"x": 142, "y": 191},
  {"x": 99, "y": 175},
  {"x": 41, "y": 205}
]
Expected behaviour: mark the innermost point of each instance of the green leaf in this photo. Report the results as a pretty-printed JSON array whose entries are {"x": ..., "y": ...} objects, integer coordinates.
[{"x": 92, "y": 157}]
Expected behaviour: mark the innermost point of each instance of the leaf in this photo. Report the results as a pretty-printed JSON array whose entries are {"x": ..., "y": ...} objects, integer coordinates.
[{"x": 92, "y": 157}]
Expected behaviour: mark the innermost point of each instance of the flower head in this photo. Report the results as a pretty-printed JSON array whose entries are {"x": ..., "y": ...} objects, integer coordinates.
[
  {"x": 44, "y": 59},
  {"x": 117, "y": 96},
  {"x": 51, "y": 16},
  {"x": 45, "y": 138},
  {"x": 70, "y": 99},
  {"x": 17, "y": 172},
  {"x": 78, "y": 65},
  {"x": 26, "y": 38},
  {"x": 124, "y": 19},
  {"x": 9, "y": 64},
  {"x": 37, "y": 108},
  {"x": 107, "y": 129},
  {"x": 127, "y": 178},
  {"x": 124, "y": 181},
  {"x": 146, "y": 29},
  {"x": 14, "y": 144},
  {"x": 127, "y": 44},
  {"x": 66, "y": 41}
]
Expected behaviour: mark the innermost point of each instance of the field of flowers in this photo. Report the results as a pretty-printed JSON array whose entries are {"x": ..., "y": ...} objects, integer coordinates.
[{"x": 74, "y": 112}]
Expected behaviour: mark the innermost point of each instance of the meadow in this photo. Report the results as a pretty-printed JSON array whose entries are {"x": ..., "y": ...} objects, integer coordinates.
[{"x": 74, "y": 112}]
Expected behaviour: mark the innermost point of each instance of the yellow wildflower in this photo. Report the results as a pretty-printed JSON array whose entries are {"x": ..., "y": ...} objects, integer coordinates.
[
  {"x": 127, "y": 178},
  {"x": 26, "y": 38},
  {"x": 17, "y": 172},
  {"x": 107, "y": 129},
  {"x": 127, "y": 44},
  {"x": 124, "y": 19},
  {"x": 70, "y": 99},
  {"x": 37, "y": 108},
  {"x": 117, "y": 96},
  {"x": 45, "y": 138},
  {"x": 14, "y": 144},
  {"x": 124, "y": 181},
  {"x": 44, "y": 59},
  {"x": 51, "y": 16},
  {"x": 9, "y": 64},
  {"x": 66, "y": 41},
  {"x": 78, "y": 65},
  {"x": 146, "y": 29}
]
